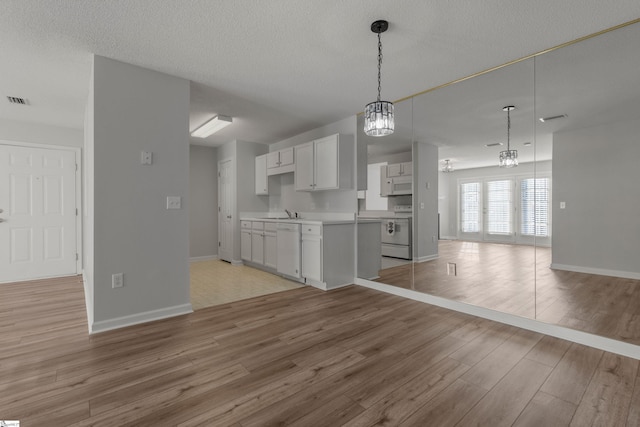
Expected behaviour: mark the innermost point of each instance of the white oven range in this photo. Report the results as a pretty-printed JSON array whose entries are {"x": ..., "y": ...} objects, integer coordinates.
[{"x": 396, "y": 237}]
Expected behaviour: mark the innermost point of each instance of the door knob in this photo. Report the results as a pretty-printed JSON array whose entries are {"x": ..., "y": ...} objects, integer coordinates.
[
  {"x": 229, "y": 216},
  {"x": 2, "y": 220}
]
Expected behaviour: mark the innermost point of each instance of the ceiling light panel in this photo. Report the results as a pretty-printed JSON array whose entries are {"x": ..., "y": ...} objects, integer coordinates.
[{"x": 212, "y": 126}]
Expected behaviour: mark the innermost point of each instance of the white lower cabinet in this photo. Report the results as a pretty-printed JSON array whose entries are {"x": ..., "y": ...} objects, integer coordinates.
[
  {"x": 257, "y": 246},
  {"x": 270, "y": 245},
  {"x": 311, "y": 257},
  {"x": 328, "y": 254},
  {"x": 321, "y": 255},
  {"x": 258, "y": 243},
  {"x": 245, "y": 244},
  {"x": 245, "y": 240}
]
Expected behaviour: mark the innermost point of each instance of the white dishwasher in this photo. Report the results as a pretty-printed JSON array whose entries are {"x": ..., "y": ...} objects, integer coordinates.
[{"x": 288, "y": 242}]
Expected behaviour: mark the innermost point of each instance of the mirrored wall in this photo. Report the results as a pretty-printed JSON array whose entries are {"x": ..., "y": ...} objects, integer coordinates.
[{"x": 556, "y": 238}]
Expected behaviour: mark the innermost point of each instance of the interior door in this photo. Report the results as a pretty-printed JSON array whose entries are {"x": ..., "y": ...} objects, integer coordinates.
[
  {"x": 37, "y": 213},
  {"x": 225, "y": 210}
]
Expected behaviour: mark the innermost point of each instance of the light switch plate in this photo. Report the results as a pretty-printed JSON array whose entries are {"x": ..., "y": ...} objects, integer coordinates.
[{"x": 174, "y": 202}]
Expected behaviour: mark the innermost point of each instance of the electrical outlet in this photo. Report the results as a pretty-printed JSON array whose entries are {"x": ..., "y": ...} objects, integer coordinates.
[
  {"x": 146, "y": 157},
  {"x": 117, "y": 280},
  {"x": 174, "y": 202}
]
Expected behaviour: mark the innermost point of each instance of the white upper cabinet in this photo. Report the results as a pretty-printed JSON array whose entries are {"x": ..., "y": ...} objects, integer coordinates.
[
  {"x": 273, "y": 160},
  {"x": 262, "y": 182},
  {"x": 399, "y": 169},
  {"x": 280, "y": 161},
  {"x": 324, "y": 164},
  {"x": 304, "y": 179}
]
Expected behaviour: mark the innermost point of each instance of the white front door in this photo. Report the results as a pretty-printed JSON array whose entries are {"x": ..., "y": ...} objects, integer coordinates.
[
  {"x": 225, "y": 210},
  {"x": 38, "y": 213}
]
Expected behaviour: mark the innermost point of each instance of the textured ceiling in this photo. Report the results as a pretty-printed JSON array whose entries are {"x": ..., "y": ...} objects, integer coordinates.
[{"x": 279, "y": 67}]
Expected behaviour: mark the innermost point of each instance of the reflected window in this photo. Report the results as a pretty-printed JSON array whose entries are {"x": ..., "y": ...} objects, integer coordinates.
[
  {"x": 534, "y": 202},
  {"x": 373, "y": 200},
  {"x": 499, "y": 207},
  {"x": 470, "y": 207}
]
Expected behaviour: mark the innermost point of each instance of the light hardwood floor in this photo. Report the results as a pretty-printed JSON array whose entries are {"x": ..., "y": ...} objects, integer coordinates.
[
  {"x": 304, "y": 357},
  {"x": 517, "y": 279}
]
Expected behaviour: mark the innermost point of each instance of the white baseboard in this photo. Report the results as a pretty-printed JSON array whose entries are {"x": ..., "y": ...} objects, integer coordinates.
[
  {"x": 426, "y": 258},
  {"x": 341, "y": 285},
  {"x": 591, "y": 340},
  {"x": 448, "y": 237},
  {"x": 134, "y": 319},
  {"x": 598, "y": 271},
  {"x": 203, "y": 258},
  {"x": 237, "y": 262}
]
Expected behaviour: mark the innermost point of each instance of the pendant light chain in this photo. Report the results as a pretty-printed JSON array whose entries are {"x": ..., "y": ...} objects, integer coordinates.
[{"x": 379, "y": 64}]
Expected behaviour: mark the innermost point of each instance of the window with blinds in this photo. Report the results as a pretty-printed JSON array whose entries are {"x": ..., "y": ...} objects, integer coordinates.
[
  {"x": 470, "y": 207},
  {"x": 534, "y": 219},
  {"x": 499, "y": 215}
]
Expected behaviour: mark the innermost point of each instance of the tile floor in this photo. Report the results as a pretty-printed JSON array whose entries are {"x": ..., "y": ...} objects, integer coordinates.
[{"x": 217, "y": 282}]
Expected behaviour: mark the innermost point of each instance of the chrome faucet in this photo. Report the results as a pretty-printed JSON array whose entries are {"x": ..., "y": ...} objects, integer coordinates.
[{"x": 289, "y": 214}]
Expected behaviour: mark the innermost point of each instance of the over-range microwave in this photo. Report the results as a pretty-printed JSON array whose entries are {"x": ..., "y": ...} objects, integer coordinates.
[{"x": 397, "y": 186}]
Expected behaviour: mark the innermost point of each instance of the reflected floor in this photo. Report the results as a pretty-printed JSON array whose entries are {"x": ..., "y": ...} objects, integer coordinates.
[
  {"x": 502, "y": 277},
  {"x": 389, "y": 262}
]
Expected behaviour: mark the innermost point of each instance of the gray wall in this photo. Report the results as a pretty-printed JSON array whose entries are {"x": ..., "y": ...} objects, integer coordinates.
[
  {"x": 203, "y": 201},
  {"x": 320, "y": 201},
  {"x": 596, "y": 172},
  {"x": 40, "y": 134},
  {"x": 131, "y": 231},
  {"x": 425, "y": 223}
]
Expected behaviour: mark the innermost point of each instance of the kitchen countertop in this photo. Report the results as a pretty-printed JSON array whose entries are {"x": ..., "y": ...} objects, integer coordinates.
[{"x": 299, "y": 220}]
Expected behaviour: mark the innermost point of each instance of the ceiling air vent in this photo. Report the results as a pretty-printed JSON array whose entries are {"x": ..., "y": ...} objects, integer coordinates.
[{"x": 16, "y": 100}]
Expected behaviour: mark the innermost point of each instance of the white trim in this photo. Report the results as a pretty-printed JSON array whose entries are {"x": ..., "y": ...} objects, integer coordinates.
[
  {"x": 203, "y": 258},
  {"x": 448, "y": 237},
  {"x": 591, "y": 340},
  {"x": 78, "y": 175},
  {"x": 237, "y": 262},
  {"x": 87, "y": 300},
  {"x": 599, "y": 271},
  {"x": 134, "y": 319},
  {"x": 54, "y": 276},
  {"x": 426, "y": 258},
  {"x": 341, "y": 285},
  {"x": 323, "y": 286}
]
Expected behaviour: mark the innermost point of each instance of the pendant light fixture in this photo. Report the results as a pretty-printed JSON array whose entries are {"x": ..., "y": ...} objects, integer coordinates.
[
  {"x": 448, "y": 167},
  {"x": 508, "y": 157},
  {"x": 378, "y": 115}
]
